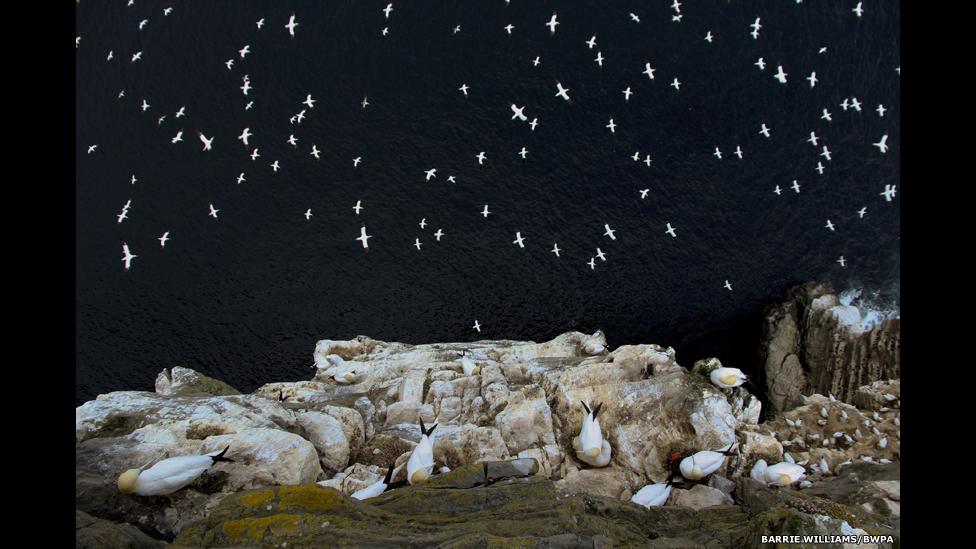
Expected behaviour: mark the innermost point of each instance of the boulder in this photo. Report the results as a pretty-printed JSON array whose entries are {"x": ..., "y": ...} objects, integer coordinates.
[{"x": 186, "y": 382}]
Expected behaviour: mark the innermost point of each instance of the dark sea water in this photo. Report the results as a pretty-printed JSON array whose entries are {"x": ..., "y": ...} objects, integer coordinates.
[{"x": 245, "y": 297}]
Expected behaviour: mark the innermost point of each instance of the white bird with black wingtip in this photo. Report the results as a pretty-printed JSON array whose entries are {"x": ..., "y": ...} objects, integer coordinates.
[
  {"x": 701, "y": 464},
  {"x": 421, "y": 462},
  {"x": 376, "y": 488},
  {"x": 591, "y": 448},
  {"x": 167, "y": 476}
]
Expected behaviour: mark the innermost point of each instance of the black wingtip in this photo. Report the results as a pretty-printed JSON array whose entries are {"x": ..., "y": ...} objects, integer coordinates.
[
  {"x": 423, "y": 430},
  {"x": 389, "y": 474},
  {"x": 596, "y": 410},
  {"x": 585, "y": 407},
  {"x": 220, "y": 457}
]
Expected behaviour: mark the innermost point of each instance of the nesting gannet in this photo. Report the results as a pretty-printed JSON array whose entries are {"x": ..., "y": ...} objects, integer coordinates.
[
  {"x": 882, "y": 145},
  {"x": 206, "y": 142},
  {"x": 591, "y": 448},
  {"x": 670, "y": 231},
  {"x": 561, "y": 91},
  {"x": 245, "y": 135},
  {"x": 519, "y": 240},
  {"x": 648, "y": 70},
  {"x": 469, "y": 366},
  {"x": 701, "y": 464},
  {"x": 653, "y": 495},
  {"x": 552, "y": 24},
  {"x": 421, "y": 462},
  {"x": 477, "y": 326},
  {"x": 784, "y": 473},
  {"x": 345, "y": 378},
  {"x": 609, "y": 232},
  {"x": 364, "y": 237},
  {"x": 377, "y": 487},
  {"x": 168, "y": 475},
  {"x": 591, "y": 42},
  {"x": 163, "y": 239},
  {"x": 780, "y": 75},
  {"x": 727, "y": 378},
  {"x": 127, "y": 256},
  {"x": 292, "y": 24},
  {"x": 555, "y": 249},
  {"x": 758, "y": 471}
]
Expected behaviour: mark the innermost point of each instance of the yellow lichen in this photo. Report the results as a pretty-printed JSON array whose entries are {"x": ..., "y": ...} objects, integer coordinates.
[
  {"x": 309, "y": 497},
  {"x": 255, "y": 528},
  {"x": 255, "y": 499}
]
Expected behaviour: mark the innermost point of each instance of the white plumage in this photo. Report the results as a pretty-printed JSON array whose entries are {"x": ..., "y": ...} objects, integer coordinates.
[
  {"x": 784, "y": 473},
  {"x": 727, "y": 378},
  {"x": 591, "y": 448},
  {"x": 421, "y": 462},
  {"x": 469, "y": 366},
  {"x": 652, "y": 495},
  {"x": 168, "y": 475},
  {"x": 701, "y": 464},
  {"x": 376, "y": 488},
  {"x": 758, "y": 471}
]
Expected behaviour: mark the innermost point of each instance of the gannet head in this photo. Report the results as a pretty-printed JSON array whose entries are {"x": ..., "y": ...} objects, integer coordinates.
[{"x": 127, "y": 481}]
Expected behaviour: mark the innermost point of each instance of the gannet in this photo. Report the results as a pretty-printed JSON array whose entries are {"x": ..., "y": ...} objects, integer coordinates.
[
  {"x": 518, "y": 113},
  {"x": 609, "y": 232},
  {"x": 627, "y": 94},
  {"x": 364, "y": 237},
  {"x": 648, "y": 70},
  {"x": 643, "y": 193},
  {"x": 309, "y": 101},
  {"x": 842, "y": 261},
  {"x": 676, "y": 84},
  {"x": 168, "y": 475},
  {"x": 555, "y": 249},
  {"x": 110, "y": 56},
  {"x": 728, "y": 286},
  {"x": 127, "y": 256},
  {"x": 717, "y": 153},
  {"x": 431, "y": 173},
  {"x": 213, "y": 212},
  {"x": 292, "y": 24},
  {"x": 356, "y": 161},
  {"x": 91, "y": 148},
  {"x": 485, "y": 212},
  {"x": 889, "y": 192},
  {"x": 423, "y": 223},
  {"x": 709, "y": 37},
  {"x": 159, "y": 121},
  {"x": 244, "y": 51},
  {"x": 143, "y": 23},
  {"x": 761, "y": 64},
  {"x": 469, "y": 366},
  {"x": 591, "y": 42},
  {"x": 599, "y": 58},
  {"x": 862, "y": 211},
  {"x": 536, "y": 61},
  {"x": 245, "y": 135},
  {"x": 829, "y": 225},
  {"x": 590, "y": 446},
  {"x": 592, "y": 263},
  {"x": 784, "y": 473},
  {"x": 292, "y": 140},
  {"x": 812, "y": 78},
  {"x": 163, "y": 239},
  {"x": 260, "y": 23},
  {"x": 601, "y": 255},
  {"x": 796, "y": 186},
  {"x": 738, "y": 152},
  {"x": 464, "y": 89},
  {"x": 826, "y": 153},
  {"x": 780, "y": 75},
  {"x": 481, "y": 157},
  {"x": 855, "y": 104},
  {"x": 634, "y": 17},
  {"x": 421, "y": 462},
  {"x": 881, "y": 110},
  {"x": 820, "y": 168},
  {"x": 230, "y": 64},
  {"x": 137, "y": 56},
  {"x": 519, "y": 240},
  {"x": 813, "y": 139},
  {"x": 858, "y": 10},
  {"x": 727, "y": 378},
  {"x": 670, "y": 231},
  {"x": 534, "y": 123},
  {"x": 167, "y": 11},
  {"x": 701, "y": 464},
  {"x": 300, "y": 116},
  {"x": 523, "y": 153},
  {"x": 883, "y": 144},
  {"x": 274, "y": 166},
  {"x": 777, "y": 190},
  {"x": 552, "y": 24},
  {"x": 388, "y": 9},
  {"x": 255, "y": 154},
  {"x": 612, "y": 126},
  {"x": 377, "y": 487},
  {"x": 509, "y": 28},
  {"x": 826, "y": 115},
  {"x": 358, "y": 206},
  {"x": 477, "y": 326},
  {"x": 206, "y": 142},
  {"x": 756, "y": 25},
  {"x": 364, "y": 102},
  {"x": 181, "y": 112},
  {"x": 764, "y": 131},
  {"x": 561, "y": 91},
  {"x": 653, "y": 495},
  {"x": 145, "y": 105},
  {"x": 416, "y": 243},
  {"x": 308, "y": 214}
]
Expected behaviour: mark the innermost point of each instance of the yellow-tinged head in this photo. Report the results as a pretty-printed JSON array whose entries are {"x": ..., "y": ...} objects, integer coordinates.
[
  {"x": 593, "y": 452},
  {"x": 127, "y": 481},
  {"x": 730, "y": 379},
  {"x": 418, "y": 476}
]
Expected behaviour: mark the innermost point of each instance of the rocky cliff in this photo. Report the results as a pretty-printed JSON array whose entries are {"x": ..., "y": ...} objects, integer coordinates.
[
  {"x": 296, "y": 460},
  {"x": 819, "y": 342}
]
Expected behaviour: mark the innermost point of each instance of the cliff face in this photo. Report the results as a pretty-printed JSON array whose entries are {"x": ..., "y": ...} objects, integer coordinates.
[
  {"x": 302, "y": 456},
  {"x": 814, "y": 343}
]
